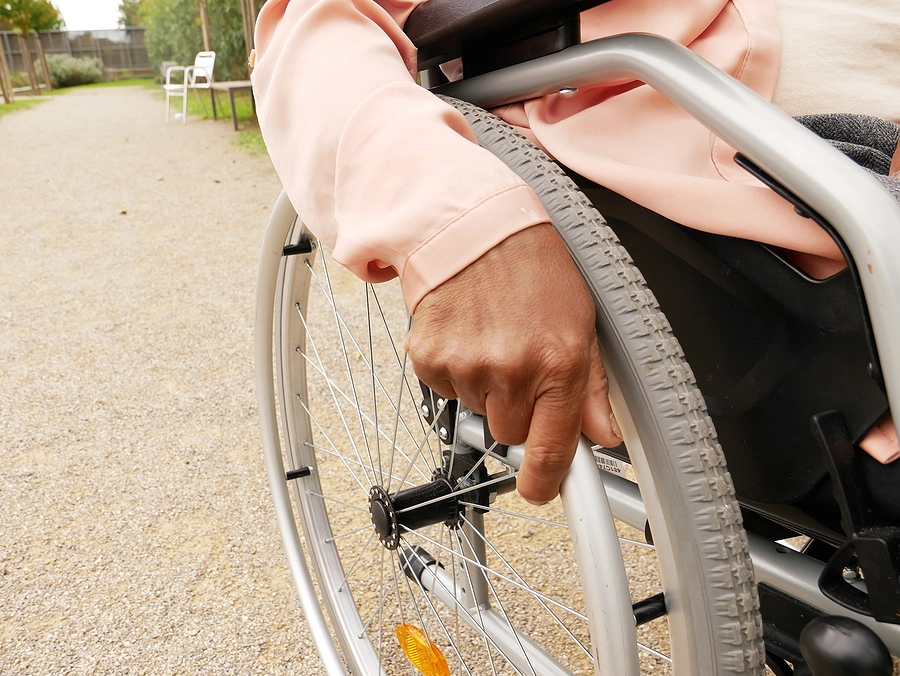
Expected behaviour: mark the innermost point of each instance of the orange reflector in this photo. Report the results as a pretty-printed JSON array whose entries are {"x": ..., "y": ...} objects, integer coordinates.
[{"x": 425, "y": 655}]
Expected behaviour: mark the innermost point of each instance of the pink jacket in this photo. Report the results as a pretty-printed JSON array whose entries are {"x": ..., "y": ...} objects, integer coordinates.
[
  {"x": 372, "y": 162},
  {"x": 393, "y": 181}
]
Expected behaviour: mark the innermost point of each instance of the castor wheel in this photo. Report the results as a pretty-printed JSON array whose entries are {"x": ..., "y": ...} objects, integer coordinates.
[{"x": 840, "y": 646}]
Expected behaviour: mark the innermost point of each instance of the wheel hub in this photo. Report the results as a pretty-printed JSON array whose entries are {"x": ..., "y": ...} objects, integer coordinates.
[
  {"x": 412, "y": 509},
  {"x": 384, "y": 517}
]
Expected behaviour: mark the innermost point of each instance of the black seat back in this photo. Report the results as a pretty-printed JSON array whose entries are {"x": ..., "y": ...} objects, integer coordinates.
[{"x": 770, "y": 347}]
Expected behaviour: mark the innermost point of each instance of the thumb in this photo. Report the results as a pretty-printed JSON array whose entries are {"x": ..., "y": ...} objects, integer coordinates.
[{"x": 597, "y": 419}]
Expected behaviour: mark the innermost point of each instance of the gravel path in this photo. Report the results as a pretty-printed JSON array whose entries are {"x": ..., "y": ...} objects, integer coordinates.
[{"x": 137, "y": 534}]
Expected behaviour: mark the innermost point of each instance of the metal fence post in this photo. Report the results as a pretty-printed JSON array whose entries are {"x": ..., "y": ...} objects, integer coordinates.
[{"x": 128, "y": 57}]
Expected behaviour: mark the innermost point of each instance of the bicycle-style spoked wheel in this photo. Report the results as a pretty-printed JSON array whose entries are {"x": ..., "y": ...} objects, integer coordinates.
[
  {"x": 410, "y": 529},
  {"x": 423, "y": 551}
]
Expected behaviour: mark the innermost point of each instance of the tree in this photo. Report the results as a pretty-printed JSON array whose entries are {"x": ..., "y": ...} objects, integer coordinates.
[
  {"x": 26, "y": 16},
  {"x": 130, "y": 13},
  {"x": 134, "y": 12},
  {"x": 173, "y": 34}
]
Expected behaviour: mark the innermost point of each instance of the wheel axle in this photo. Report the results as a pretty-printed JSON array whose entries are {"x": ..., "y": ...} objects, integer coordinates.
[{"x": 392, "y": 514}]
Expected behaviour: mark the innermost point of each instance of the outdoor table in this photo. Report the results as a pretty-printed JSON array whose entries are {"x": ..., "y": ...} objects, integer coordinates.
[{"x": 231, "y": 88}]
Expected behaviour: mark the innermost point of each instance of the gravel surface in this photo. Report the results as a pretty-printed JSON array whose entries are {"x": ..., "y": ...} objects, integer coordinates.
[{"x": 137, "y": 534}]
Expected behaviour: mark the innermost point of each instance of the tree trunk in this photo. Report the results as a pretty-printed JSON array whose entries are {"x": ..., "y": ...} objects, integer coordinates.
[
  {"x": 204, "y": 25},
  {"x": 25, "y": 50},
  {"x": 248, "y": 17},
  {"x": 5, "y": 79},
  {"x": 43, "y": 58}
]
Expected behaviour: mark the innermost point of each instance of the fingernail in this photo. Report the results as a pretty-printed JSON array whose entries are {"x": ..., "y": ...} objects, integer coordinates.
[
  {"x": 615, "y": 425},
  {"x": 536, "y": 503}
]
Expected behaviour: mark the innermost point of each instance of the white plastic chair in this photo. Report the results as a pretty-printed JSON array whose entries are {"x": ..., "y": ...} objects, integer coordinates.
[{"x": 198, "y": 76}]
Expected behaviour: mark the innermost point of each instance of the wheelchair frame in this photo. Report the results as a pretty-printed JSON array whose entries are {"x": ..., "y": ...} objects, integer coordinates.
[{"x": 863, "y": 214}]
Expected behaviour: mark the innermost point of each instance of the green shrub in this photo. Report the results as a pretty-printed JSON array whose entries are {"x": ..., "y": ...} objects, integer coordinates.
[{"x": 67, "y": 71}]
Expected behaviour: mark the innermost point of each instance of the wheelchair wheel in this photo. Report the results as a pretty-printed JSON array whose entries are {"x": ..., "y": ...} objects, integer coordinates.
[{"x": 421, "y": 548}]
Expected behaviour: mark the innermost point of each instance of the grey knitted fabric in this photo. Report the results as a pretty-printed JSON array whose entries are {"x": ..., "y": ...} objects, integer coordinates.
[{"x": 868, "y": 141}]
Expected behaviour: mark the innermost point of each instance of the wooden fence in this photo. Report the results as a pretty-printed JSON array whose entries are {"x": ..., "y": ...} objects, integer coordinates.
[{"x": 122, "y": 52}]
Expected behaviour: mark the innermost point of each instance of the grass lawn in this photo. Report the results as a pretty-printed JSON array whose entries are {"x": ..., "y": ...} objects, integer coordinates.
[
  {"x": 19, "y": 104},
  {"x": 200, "y": 105}
]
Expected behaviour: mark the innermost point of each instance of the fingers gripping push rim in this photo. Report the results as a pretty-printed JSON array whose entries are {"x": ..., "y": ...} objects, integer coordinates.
[{"x": 702, "y": 549}]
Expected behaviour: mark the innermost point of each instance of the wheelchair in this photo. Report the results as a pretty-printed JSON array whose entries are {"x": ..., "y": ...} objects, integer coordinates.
[{"x": 411, "y": 551}]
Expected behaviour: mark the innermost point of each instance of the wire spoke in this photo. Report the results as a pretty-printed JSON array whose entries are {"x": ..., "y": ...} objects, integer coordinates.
[
  {"x": 377, "y": 612},
  {"x": 369, "y": 420},
  {"x": 504, "y": 613},
  {"x": 381, "y": 606},
  {"x": 487, "y": 646},
  {"x": 347, "y": 534},
  {"x": 562, "y": 624},
  {"x": 478, "y": 464},
  {"x": 653, "y": 652},
  {"x": 399, "y": 594},
  {"x": 477, "y": 629},
  {"x": 516, "y": 515},
  {"x": 328, "y": 382},
  {"x": 374, "y": 394},
  {"x": 326, "y": 451},
  {"x": 415, "y": 605},
  {"x": 338, "y": 453},
  {"x": 498, "y": 574},
  {"x": 356, "y": 562},
  {"x": 370, "y": 364},
  {"x": 338, "y": 321},
  {"x": 401, "y": 364},
  {"x": 419, "y": 451},
  {"x": 340, "y": 502}
]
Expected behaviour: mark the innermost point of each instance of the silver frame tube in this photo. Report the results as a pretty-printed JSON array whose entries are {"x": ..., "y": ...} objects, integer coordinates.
[
  {"x": 864, "y": 214},
  {"x": 781, "y": 567}
]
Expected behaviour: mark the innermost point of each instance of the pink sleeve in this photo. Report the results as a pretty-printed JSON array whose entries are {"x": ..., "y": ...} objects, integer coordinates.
[{"x": 383, "y": 172}]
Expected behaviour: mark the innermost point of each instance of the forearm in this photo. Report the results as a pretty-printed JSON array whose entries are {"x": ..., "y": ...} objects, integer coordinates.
[{"x": 384, "y": 172}]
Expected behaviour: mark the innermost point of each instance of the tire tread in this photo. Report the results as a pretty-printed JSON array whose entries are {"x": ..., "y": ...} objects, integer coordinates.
[{"x": 669, "y": 381}]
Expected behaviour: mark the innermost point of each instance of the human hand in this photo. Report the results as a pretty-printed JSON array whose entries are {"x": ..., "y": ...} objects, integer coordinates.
[{"x": 512, "y": 336}]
